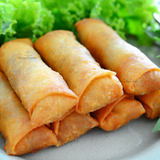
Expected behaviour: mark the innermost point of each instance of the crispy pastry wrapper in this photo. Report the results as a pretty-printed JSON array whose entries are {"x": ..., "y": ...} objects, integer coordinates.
[
  {"x": 134, "y": 69},
  {"x": 21, "y": 135},
  {"x": 119, "y": 113},
  {"x": 71, "y": 126},
  {"x": 94, "y": 86},
  {"x": 24, "y": 40},
  {"x": 37, "y": 85},
  {"x": 151, "y": 103}
]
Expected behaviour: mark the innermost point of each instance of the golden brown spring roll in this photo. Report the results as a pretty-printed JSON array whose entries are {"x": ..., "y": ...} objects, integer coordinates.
[
  {"x": 94, "y": 86},
  {"x": 134, "y": 69},
  {"x": 151, "y": 103},
  {"x": 43, "y": 92},
  {"x": 21, "y": 135},
  {"x": 24, "y": 40},
  {"x": 72, "y": 126},
  {"x": 119, "y": 113}
]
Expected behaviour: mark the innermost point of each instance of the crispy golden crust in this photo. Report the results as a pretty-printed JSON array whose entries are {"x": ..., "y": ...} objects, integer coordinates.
[
  {"x": 151, "y": 103},
  {"x": 43, "y": 92},
  {"x": 21, "y": 135},
  {"x": 118, "y": 113},
  {"x": 72, "y": 126},
  {"x": 94, "y": 86},
  {"x": 136, "y": 72}
]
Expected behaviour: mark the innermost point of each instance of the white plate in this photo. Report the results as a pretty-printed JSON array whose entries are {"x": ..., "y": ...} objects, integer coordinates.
[{"x": 134, "y": 141}]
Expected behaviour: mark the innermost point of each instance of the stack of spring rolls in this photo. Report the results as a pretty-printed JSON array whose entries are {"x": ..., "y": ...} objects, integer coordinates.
[
  {"x": 34, "y": 97},
  {"x": 58, "y": 91},
  {"x": 139, "y": 76}
]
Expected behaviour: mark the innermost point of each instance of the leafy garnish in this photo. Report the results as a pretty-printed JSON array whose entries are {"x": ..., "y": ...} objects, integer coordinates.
[
  {"x": 155, "y": 35},
  {"x": 128, "y": 17},
  {"x": 157, "y": 126},
  {"x": 33, "y": 18},
  {"x": 24, "y": 19}
]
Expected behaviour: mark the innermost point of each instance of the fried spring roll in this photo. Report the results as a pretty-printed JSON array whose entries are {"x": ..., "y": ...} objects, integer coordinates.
[
  {"x": 151, "y": 103},
  {"x": 24, "y": 40},
  {"x": 21, "y": 135},
  {"x": 136, "y": 72},
  {"x": 94, "y": 86},
  {"x": 43, "y": 92},
  {"x": 72, "y": 126},
  {"x": 118, "y": 113}
]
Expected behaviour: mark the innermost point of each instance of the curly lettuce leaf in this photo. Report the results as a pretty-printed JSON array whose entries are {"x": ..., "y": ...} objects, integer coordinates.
[
  {"x": 157, "y": 126},
  {"x": 24, "y": 18},
  {"x": 155, "y": 35},
  {"x": 33, "y": 18},
  {"x": 108, "y": 12},
  {"x": 7, "y": 23},
  {"x": 127, "y": 17},
  {"x": 68, "y": 12}
]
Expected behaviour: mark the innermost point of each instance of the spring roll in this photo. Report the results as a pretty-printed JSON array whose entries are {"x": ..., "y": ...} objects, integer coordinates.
[
  {"x": 24, "y": 40},
  {"x": 43, "y": 92},
  {"x": 21, "y": 135},
  {"x": 137, "y": 73},
  {"x": 94, "y": 86},
  {"x": 119, "y": 113},
  {"x": 71, "y": 126},
  {"x": 151, "y": 103}
]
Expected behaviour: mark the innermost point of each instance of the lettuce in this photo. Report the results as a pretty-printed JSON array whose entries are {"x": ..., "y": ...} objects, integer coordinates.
[
  {"x": 24, "y": 19},
  {"x": 128, "y": 17},
  {"x": 7, "y": 23},
  {"x": 33, "y": 18},
  {"x": 156, "y": 127},
  {"x": 125, "y": 16},
  {"x": 68, "y": 12}
]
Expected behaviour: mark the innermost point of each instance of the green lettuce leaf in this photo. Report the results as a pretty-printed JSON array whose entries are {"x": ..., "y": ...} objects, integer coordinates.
[
  {"x": 33, "y": 18},
  {"x": 24, "y": 18},
  {"x": 155, "y": 35},
  {"x": 7, "y": 23},
  {"x": 157, "y": 126},
  {"x": 68, "y": 12},
  {"x": 127, "y": 17}
]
